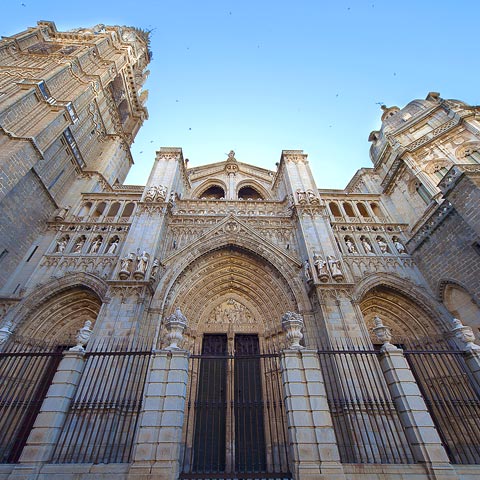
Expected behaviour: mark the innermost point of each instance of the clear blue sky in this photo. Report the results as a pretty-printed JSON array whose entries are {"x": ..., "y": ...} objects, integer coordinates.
[{"x": 259, "y": 77}]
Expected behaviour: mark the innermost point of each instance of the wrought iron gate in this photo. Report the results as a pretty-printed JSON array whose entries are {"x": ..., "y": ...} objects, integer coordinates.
[
  {"x": 235, "y": 418},
  {"x": 26, "y": 372},
  {"x": 452, "y": 395}
]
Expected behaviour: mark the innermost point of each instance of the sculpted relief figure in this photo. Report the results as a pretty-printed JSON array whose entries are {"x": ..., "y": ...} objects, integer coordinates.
[
  {"x": 155, "y": 265},
  {"x": 125, "y": 263},
  {"x": 142, "y": 262},
  {"x": 321, "y": 267}
]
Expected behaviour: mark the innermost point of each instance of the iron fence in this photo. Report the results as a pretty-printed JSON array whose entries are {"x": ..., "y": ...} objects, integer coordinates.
[
  {"x": 366, "y": 423},
  {"x": 102, "y": 419},
  {"x": 452, "y": 396},
  {"x": 26, "y": 371}
]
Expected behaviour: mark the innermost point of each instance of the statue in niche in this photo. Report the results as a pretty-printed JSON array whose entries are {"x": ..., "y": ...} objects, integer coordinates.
[
  {"x": 126, "y": 262},
  {"x": 96, "y": 245},
  {"x": 113, "y": 247},
  {"x": 79, "y": 245},
  {"x": 154, "y": 271},
  {"x": 61, "y": 245},
  {"x": 381, "y": 243},
  {"x": 335, "y": 268},
  {"x": 321, "y": 267},
  {"x": 366, "y": 245},
  {"x": 399, "y": 245},
  {"x": 350, "y": 245},
  {"x": 307, "y": 271}
]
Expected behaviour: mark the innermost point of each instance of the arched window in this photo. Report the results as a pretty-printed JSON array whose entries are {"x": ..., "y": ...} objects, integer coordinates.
[
  {"x": 85, "y": 210},
  {"x": 362, "y": 209},
  {"x": 128, "y": 210},
  {"x": 376, "y": 210},
  {"x": 249, "y": 193},
  {"x": 213, "y": 193},
  {"x": 114, "y": 210},
  {"x": 100, "y": 209},
  {"x": 334, "y": 210},
  {"x": 422, "y": 191},
  {"x": 348, "y": 209}
]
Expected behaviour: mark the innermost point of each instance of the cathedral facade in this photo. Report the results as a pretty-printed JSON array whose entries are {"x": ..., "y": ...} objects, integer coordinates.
[{"x": 228, "y": 321}]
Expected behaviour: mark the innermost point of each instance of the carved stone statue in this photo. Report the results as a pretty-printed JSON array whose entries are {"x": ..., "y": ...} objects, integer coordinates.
[
  {"x": 155, "y": 265},
  {"x": 350, "y": 246},
  {"x": 383, "y": 333},
  {"x": 312, "y": 198},
  {"x": 307, "y": 271},
  {"x": 292, "y": 324},
  {"x": 96, "y": 245},
  {"x": 321, "y": 267},
  {"x": 161, "y": 193},
  {"x": 113, "y": 247},
  {"x": 301, "y": 196},
  {"x": 335, "y": 268},
  {"x": 79, "y": 245},
  {"x": 142, "y": 262},
  {"x": 383, "y": 246},
  {"x": 399, "y": 245},
  {"x": 366, "y": 245},
  {"x": 83, "y": 337},
  {"x": 61, "y": 245},
  {"x": 151, "y": 194},
  {"x": 125, "y": 263}
]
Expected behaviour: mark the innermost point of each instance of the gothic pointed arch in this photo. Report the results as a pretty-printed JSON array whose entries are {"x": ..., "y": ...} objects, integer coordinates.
[
  {"x": 55, "y": 311},
  {"x": 402, "y": 305}
]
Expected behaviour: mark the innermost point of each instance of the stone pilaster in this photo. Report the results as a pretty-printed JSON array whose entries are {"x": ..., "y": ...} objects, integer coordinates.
[
  {"x": 413, "y": 413},
  {"x": 157, "y": 447},
  {"x": 312, "y": 439},
  {"x": 49, "y": 423}
]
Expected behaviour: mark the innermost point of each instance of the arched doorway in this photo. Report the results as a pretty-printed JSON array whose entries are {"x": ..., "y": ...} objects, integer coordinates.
[
  {"x": 235, "y": 423},
  {"x": 30, "y": 359},
  {"x": 443, "y": 377},
  {"x": 407, "y": 318}
]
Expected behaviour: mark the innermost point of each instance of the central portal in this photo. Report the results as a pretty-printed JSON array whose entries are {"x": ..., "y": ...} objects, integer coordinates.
[
  {"x": 235, "y": 418},
  {"x": 229, "y": 407}
]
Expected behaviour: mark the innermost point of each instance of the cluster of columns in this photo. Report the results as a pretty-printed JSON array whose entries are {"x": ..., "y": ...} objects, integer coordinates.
[{"x": 313, "y": 449}]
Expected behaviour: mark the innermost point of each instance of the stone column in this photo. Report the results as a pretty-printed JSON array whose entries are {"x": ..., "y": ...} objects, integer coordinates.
[
  {"x": 313, "y": 447},
  {"x": 157, "y": 447},
  {"x": 49, "y": 423}
]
